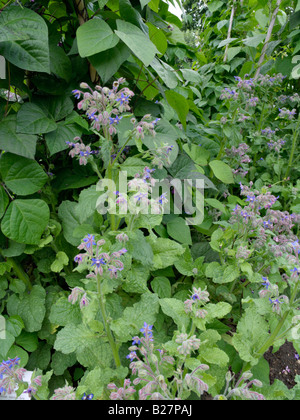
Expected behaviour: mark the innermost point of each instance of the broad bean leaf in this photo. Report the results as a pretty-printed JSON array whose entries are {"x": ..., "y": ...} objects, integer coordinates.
[
  {"x": 30, "y": 48},
  {"x": 179, "y": 230},
  {"x": 137, "y": 41},
  {"x": 21, "y": 175},
  {"x": 70, "y": 220},
  {"x": 179, "y": 104},
  {"x": 95, "y": 36},
  {"x": 108, "y": 62},
  {"x": 31, "y": 119},
  {"x": 26, "y": 220},
  {"x": 222, "y": 171},
  {"x": 13, "y": 142},
  {"x": 4, "y": 200}
]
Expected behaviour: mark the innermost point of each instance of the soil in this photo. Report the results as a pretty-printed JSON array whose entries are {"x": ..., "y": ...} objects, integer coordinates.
[{"x": 283, "y": 364}]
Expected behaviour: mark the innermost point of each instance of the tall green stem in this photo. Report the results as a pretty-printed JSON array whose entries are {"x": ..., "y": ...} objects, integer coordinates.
[
  {"x": 106, "y": 325},
  {"x": 20, "y": 273},
  {"x": 112, "y": 215},
  {"x": 272, "y": 338},
  {"x": 294, "y": 144}
]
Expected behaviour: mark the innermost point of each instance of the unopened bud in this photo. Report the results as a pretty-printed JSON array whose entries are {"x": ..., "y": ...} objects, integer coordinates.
[
  {"x": 153, "y": 358},
  {"x": 257, "y": 383},
  {"x": 247, "y": 375}
]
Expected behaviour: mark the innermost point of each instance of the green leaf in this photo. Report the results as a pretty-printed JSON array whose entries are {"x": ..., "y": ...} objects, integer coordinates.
[
  {"x": 87, "y": 203},
  {"x": 13, "y": 142},
  {"x": 15, "y": 324},
  {"x": 158, "y": 38},
  {"x": 60, "y": 261},
  {"x": 41, "y": 357},
  {"x": 27, "y": 340},
  {"x": 63, "y": 313},
  {"x": 222, "y": 274},
  {"x": 4, "y": 200},
  {"x": 226, "y": 42},
  {"x": 214, "y": 5},
  {"x": 30, "y": 307},
  {"x": 131, "y": 15},
  {"x": 32, "y": 51},
  {"x": 91, "y": 350},
  {"x": 10, "y": 34},
  {"x": 165, "y": 72},
  {"x": 43, "y": 391},
  {"x": 21, "y": 175},
  {"x": 137, "y": 41},
  {"x": 26, "y": 220},
  {"x": 179, "y": 104},
  {"x": 60, "y": 64},
  {"x": 252, "y": 333},
  {"x": 132, "y": 165},
  {"x": 232, "y": 52},
  {"x": 55, "y": 107},
  {"x": 216, "y": 204},
  {"x": 102, "y": 3},
  {"x": 67, "y": 214},
  {"x": 175, "y": 309},
  {"x": 133, "y": 318},
  {"x": 139, "y": 248},
  {"x": 214, "y": 355},
  {"x": 254, "y": 41},
  {"x": 108, "y": 62},
  {"x": 154, "y": 5},
  {"x": 56, "y": 140},
  {"x": 165, "y": 252},
  {"x": 16, "y": 351},
  {"x": 261, "y": 18},
  {"x": 191, "y": 76},
  {"x": 95, "y": 36},
  {"x": 31, "y": 119},
  {"x": 136, "y": 279},
  {"x": 60, "y": 362},
  {"x": 161, "y": 286},
  {"x": 95, "y": 381},
  {"x": 179, "y": 230},
  {"x": 187, "y": 266},
  {"x": 218, "y": 310},
  {"x": 145, "y": 221},
  {"x": 5, "y": 344},
  {"x": 222, "y": 171},
  {"x": 143, "y": 3}
]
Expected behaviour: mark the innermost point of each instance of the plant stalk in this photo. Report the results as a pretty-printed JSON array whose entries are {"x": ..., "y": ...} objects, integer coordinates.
[
  {"x": 20, "y": 273},
  {"x": 295, "y": 138},
  {"x": 268, "y": 37},
  {"x": 106, "y": 325}
]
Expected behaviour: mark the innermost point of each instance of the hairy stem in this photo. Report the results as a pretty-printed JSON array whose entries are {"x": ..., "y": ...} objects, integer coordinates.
[
  {"x": 294, "y": 143},
  {"x": 106, "y": 325}
]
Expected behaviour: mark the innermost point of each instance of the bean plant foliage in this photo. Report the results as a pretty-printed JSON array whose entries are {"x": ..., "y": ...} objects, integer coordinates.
[{"x": 139, "y": 305}]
